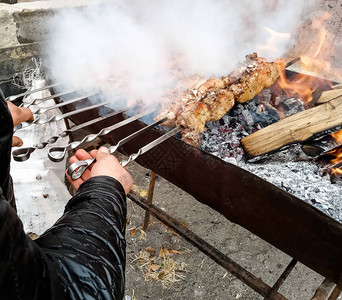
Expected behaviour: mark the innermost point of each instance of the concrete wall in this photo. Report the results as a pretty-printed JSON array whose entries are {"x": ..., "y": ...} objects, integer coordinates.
[
  {"x": 15, "y": 49},
  {"x": 23, "y": 33}
]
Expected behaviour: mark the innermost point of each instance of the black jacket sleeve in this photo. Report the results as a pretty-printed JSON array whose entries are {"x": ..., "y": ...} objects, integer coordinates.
[
  {"x": 81, "y": 257},
  {"x": 6, "y": 132},
  {"x": 86, "y": 247},
  {"x": 22, "y": 270},
  {"x": 23, "y": 274}
]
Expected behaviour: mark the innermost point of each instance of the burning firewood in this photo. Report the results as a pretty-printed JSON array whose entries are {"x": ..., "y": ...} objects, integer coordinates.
[
  {"x": 212, "y": 99},
  {"x": 296, "y": 128}
]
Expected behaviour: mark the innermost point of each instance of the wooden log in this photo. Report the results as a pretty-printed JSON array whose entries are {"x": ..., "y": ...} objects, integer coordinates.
[
  {"x": 337, "y": 86},
  {"x": 329, "y": 95},
  {"x": 296, "y": 128}
]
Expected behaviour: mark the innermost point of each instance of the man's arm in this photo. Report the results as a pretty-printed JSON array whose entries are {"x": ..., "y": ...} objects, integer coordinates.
[
  {"x": 87, "y": 245},
  {"x": 23, "y": 274},
  {"x": 10, "y": 115},
  {"x": 6, "y": 132},
  {"x": 19, "y": 114},
  {"x": 81, "y": 257}
]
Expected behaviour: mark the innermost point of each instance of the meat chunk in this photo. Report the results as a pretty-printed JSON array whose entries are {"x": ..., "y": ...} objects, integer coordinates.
[
  {"x": 220, "y": 103},
  {"x": 212, "y": 99},
  {"x": 191, "y": 137},
  {"x": 211, "y": 104},
  {"x": 211, "y": 108},
  {"x": 212, "y": 84},
  {"x": 258, "y": 75},
  {"x": 195, "y": 116},
  {"x": 181, "y": 94}
]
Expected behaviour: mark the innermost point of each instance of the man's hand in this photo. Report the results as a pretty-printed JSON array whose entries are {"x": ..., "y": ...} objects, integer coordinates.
[
  {"x": 105, "y": 164},
  {"x": 19, "y": 114}
]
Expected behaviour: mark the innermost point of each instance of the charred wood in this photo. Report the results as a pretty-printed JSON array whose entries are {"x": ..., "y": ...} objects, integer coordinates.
[{"x": 320, "y": 146}]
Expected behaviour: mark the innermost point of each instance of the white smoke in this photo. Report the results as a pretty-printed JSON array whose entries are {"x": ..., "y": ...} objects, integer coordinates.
[{"x": 138, "y": 49}]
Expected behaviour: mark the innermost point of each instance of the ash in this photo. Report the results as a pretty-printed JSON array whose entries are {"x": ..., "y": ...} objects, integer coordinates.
[{"x": 289, "y": 169}]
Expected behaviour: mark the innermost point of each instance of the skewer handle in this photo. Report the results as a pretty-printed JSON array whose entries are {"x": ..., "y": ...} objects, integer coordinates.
[
  {"x": 77, "y": 169},
  {"x": 22, "y": 154}
]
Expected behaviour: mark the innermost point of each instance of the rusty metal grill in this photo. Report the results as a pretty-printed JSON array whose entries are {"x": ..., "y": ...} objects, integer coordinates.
[{"x": 286, "y": 222}]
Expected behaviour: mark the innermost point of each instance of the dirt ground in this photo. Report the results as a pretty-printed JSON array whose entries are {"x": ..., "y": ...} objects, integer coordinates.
[{"x": 199, "y": 276}]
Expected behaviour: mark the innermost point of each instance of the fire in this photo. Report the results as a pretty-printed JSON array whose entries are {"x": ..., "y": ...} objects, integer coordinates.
[
  {"x": 299, "y": 84},
  {"x": 337, "y": 161},
  {"x": 337, "y": 153},
  {"x": 314, "y": 61},
  {"x": 336, "y": 171},
  {"x": 337, "y": 136}
]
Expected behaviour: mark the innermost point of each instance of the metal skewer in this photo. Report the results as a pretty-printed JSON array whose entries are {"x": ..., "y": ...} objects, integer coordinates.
[
  {"x": 64, "y": 103},
  {"x": 291, "y": 62},
  {"x": 76, "y": 169},
  {"x": 23, "y": 154},
  {"x": 57, "y": 154},
  {"x": 40, "y": 100},
  {"x": 151, "y": 145},
  {"x": 39, "y": 121},
  {"x": 14, "y": 97}
]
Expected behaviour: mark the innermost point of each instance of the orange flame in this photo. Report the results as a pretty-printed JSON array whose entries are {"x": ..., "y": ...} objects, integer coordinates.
[
  {"x": 299, "y": 84},
  {"x": 338, "y": 154},
  {"x": 336, "y": 171},
  {"x": 314, "y": 61},
  {"x": 337, "y": 136},
  {"x": 338, "y": 158}
]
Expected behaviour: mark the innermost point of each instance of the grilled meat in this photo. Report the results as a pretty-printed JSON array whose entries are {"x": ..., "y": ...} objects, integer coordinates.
[
  {"x": 194, "y": 116},
  {"x": 219, "y": 102},
  {"x": 258, "y": 75},
  {"x": 191, "y": 136},
  {"x": 180, "y": 94},
  {"x": 197, "y": 113},
  {"x": 211, "y": 100}
]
